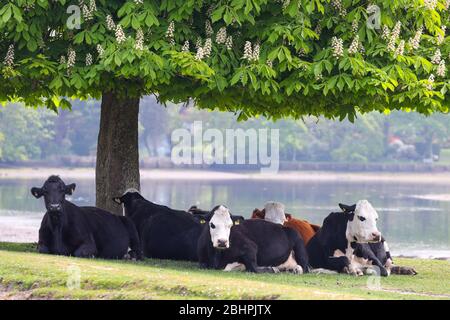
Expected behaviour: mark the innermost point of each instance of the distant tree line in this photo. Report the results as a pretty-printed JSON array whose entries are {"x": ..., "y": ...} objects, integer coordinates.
[{"x": 41, "y": 134}]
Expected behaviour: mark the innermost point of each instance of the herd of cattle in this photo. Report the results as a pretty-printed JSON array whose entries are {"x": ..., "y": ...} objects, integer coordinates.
[{"x": 271, "y": 241}]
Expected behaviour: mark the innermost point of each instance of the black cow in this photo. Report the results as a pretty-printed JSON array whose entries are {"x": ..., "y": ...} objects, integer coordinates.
[
  {"x": 259, "y": 245},
  {"x": 139, "y": 209},
  {"x": 67, "y": 229},
  {"x": 334, "y": 244},
  {"x": 165, "y": 233}
]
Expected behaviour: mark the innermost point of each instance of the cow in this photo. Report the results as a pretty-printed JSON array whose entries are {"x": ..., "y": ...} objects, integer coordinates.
[
  {"x": 259, "y": 245},
  {"x": 274, "y": 212},
  {"x": 376, "y": 254},
  {"x": 139, "y": 209},
  {"x": 70, "y": 230},
  {"x": 334, "y": 244},
  {"x": 165, "y": 233}
]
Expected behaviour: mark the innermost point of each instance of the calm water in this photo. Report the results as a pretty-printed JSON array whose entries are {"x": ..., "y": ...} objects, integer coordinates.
[{"x": 414, "y": 218}]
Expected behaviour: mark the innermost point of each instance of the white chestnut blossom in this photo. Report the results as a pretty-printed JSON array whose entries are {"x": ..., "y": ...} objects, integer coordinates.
[
  {"x": 221, "y": 36},
  {"x": 229, "y": 43},
  {"x": 339, "y": 7},
  {"x": 88, "y": 59},
  {"x": 430, "y": 82},
  {"x": 255, "y": 53},
  {"x": 110, "y": 23},
  {"x": 9, "y": 58},
  {"x": 430, "y": 4},
  {"x": 120, "y": 35},
  {"x": 185, "y": 47},
  {"x": 139, "y": 44},
  {"x": 199, "y": 54},
  {"x": 436, "y": 57},
  {"x": 355, "y": 26},
  {"x": 441, "y": 70},
  {"x": 337, "y": 44},
  {"x": 207, "y": 48},
  {"x": 393, "y": 37},
  {"x": 208, "y": 28},
  {"x": 62, "y": 60},
  {"x": 248, "y": 54},
  {"x": 354, "y": 46},
  {"x": 318, "y": 30},
  {"x": 269, "y": 63},
  {"x": 415, "y": 41},
  {"x": 198, "y": 43},
  {"x": 400, "y": 49},
  {"x": 100, "y": 50},
  {"x": 71, "y": 58},
  {"x": 170, "y": 33},
  {"x": 447, "y": 4},
  {"x": 139, "y": 2},
  {"x": 386, "y": 33}
]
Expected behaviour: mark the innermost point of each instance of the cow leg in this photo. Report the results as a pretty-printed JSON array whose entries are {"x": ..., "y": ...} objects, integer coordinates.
[
  {"x": 340, "y": 264},
  {"x": 42, "y": 248},
  {"x": 135, "y": 244},
  {"x": 86, "y": 250}
]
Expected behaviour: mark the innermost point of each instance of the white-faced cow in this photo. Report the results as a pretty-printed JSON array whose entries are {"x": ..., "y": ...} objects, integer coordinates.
[
  {"x": 375, "y": 254},
  {"x": 67, "y": 229},
  {"x": 259, "y": 245},
  {"x": 333, "y": 246}
]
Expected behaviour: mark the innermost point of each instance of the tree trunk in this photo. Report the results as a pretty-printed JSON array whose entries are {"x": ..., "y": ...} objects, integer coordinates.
[{"x": 117, "y": 150}]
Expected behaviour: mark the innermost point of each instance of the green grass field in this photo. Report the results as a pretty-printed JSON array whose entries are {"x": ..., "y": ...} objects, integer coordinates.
[{"x": 25, "y": 274}]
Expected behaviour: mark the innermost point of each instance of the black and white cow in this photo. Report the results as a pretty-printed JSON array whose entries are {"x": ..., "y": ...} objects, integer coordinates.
[
  {"x": 67, "y": 229},
  {"x": 367, "y": 255},
  {"x": 259, "y": 245},
  {"x": 334, "y": 244}
]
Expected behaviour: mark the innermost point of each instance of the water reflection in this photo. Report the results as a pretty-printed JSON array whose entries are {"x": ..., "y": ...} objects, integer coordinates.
[{"x": 412, "y": 219}]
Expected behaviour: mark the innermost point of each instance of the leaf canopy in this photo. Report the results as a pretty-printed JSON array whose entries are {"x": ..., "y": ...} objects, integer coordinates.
[{"x": 256, "y": 57}]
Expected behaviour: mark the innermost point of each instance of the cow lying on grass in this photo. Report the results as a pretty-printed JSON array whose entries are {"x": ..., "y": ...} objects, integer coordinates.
[
  {"x": 271, "y": 212},
  {"x": 333, "y": 246},
  {"x": 165, "y": 233},
  {"x": 67, "y": 229},
  {"x": 259, "y": 245},
  {"x": 376, "y": 254}
]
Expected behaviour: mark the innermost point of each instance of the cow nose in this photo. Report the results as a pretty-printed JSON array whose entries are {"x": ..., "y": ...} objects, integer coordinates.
[
  {"x": 55, "y": 207},
  {"x": 376, "y": 236},
  {"x": 221, "y": 243}
]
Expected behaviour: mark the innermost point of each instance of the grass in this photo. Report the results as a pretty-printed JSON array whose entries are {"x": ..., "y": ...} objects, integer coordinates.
[{"x": 25, "y": 274}]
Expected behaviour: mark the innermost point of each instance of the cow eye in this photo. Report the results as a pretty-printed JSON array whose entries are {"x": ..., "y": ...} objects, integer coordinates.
[
  {"x": 212, "y": 225},
  {"x": 361, "y": 218}
]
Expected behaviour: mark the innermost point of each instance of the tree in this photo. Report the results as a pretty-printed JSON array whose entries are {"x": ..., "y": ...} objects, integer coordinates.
[{"x": 255, "y": 57}]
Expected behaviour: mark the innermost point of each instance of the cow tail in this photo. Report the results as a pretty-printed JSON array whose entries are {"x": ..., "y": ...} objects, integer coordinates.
[
  {"x": 301, "y": 256},
  {"x": 135, "y": 243}
]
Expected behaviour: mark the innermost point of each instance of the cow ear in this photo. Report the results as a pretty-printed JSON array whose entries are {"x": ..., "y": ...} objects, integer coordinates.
[
  {"x": 346, "y": 208},
  {"x": 117, "y": 200},
  {"x": 37, "y": 192},
  {"x": 70, "y": 189}
]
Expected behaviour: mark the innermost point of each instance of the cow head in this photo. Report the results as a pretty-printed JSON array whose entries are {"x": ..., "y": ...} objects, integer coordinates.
[
  {"x": 54, "y": 191},
  {"x": 127, "y": 199},
  {"x": 220, "y": 227},
  {"x": 275, "y": 212},
  {"x": 362, "y": 222}
]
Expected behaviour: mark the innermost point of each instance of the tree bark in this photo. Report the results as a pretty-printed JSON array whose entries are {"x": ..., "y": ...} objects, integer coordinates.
[{"x": 117, "y": 166}]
